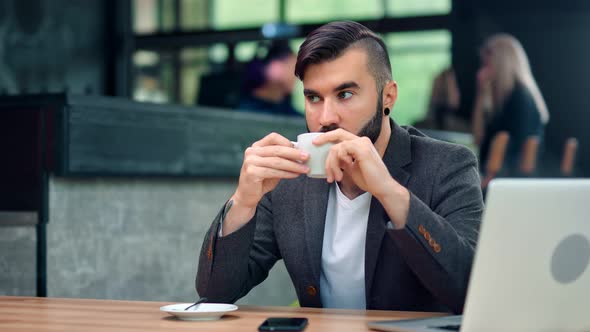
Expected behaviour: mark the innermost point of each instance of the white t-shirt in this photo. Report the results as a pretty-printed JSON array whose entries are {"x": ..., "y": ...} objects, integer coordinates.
[{"x": 342, "y": 279}]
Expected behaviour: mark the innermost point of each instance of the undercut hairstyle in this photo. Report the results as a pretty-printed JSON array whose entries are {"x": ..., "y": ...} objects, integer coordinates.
[{"x": 331, "y": 40}]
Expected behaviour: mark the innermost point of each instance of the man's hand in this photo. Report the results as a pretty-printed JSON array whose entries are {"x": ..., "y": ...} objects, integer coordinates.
[
  {"x": 356, "y": 157},
  {"x": 266, "y": 162}
]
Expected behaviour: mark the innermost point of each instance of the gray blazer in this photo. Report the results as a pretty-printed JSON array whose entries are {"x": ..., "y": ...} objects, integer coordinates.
[{"x": 423, "y": 267}]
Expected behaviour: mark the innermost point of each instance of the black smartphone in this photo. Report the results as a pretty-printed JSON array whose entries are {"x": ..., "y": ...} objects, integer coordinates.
[{"x": 283, "y": 324}]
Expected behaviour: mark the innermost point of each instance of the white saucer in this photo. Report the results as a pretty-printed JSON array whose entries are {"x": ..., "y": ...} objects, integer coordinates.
[{"x": 204, "y": 311}]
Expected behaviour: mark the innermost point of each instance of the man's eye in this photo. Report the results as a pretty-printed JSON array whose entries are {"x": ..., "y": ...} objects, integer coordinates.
[
  {"x": 313, "y": 99},
  {"x": 345, "y": 94}
]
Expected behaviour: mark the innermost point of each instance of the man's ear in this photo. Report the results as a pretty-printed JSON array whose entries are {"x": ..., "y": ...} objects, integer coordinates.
[{"x": 389, "y": 94}]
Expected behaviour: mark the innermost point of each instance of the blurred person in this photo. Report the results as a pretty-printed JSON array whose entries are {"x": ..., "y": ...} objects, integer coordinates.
[
  {"x": 148, "y": 87},
  {"x": 508, "y": 99},
  {"x": 269, "y": 81},
  {"x": 394, "y": 224},
  {"x": 445, "y": 100}
]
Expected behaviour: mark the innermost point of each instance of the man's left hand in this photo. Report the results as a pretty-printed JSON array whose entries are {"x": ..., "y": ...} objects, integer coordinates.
[{"x": 357, "y": 158}]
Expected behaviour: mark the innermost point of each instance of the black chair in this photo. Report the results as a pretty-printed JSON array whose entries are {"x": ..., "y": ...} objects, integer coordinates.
[
  {"x": 528, "y": 157},
  {"x": 568, "y": 158},
  {"x": 495, "y": 158}
]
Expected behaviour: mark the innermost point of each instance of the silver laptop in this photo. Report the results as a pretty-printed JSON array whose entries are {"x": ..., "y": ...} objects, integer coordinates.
[{"x": 531, "y": 268}]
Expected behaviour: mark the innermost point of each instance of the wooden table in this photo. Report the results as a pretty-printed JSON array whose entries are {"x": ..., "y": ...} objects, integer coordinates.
[{"x": 55, "y": 314}]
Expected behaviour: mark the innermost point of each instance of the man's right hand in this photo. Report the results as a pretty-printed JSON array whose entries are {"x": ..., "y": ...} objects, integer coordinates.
[{"x": 266, "y": 162}]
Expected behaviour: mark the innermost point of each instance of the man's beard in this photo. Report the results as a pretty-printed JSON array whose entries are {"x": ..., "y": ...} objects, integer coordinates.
[{"x": 372, "y": 129}]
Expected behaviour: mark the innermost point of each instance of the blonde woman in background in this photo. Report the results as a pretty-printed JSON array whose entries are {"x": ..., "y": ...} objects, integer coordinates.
[{"x": 508, "y": 98}]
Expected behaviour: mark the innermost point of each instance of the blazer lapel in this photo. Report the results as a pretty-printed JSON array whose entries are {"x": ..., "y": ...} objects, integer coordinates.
[
  {"x": 397, "y": 155},
  {"x": 315, "y": 204}
]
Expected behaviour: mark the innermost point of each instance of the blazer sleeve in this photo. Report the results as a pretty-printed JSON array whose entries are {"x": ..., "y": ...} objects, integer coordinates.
[
  {"x": 230, "y": 266},
  {"x": 438, "y": 242}
]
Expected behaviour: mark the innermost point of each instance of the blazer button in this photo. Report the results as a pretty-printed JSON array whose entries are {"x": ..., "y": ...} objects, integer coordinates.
[
  {"x": 427, "y": 236},
  {"x": 436, "y": 248},
  {"x": 311, "y": 291},
  {"x": 421, "y": 229},
  {"x": 432, "y": 242}
]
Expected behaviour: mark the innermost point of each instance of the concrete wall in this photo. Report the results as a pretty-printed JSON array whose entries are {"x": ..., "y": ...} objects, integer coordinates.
[
  {"x": 17, "y": 261},
  {"x": 132, "y": 239}
]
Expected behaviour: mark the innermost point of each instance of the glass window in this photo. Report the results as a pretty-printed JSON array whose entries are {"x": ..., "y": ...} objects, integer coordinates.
[
  {"x": 306, "y": 11},
  {"x": 400, "y": 8},
  {"x": 151, "y": 16},
  {"x": 245, "y": 51},
  {"x": 153, "y": 77},
  {"x": 144, "y": 16},
  {"x": 194, "y": 14},
  {"x": 297, "y": 98},
  {"x": 194, "y": 64},
  {"x": 166, "y": 15},
  {"x": 231, "y": 14},
  {"x": 416, "y": 58},
  {"x": 218, "y": 53}
]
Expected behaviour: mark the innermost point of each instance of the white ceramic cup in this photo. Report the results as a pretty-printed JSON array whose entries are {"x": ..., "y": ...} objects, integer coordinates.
[{"x": 317, "y": 154}]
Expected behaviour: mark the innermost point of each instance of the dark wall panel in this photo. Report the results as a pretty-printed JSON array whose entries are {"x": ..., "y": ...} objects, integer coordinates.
[{"x": 52, "y": 46}]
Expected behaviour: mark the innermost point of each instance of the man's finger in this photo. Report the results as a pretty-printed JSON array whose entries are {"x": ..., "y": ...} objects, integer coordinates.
[
  {"x": 280, "y": 152},
  {"x": 334, "y": 136},
  {"x": 270, "y": 173},
  {"x": 273, "y": 139},
  {"x": 345, "y": 158},
  {"x": 334, "y": 164},
  {"x": 279, "y": 164}
]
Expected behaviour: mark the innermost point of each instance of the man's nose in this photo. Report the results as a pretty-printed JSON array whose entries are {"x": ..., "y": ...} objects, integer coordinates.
[{"x": 329, "y": 115}]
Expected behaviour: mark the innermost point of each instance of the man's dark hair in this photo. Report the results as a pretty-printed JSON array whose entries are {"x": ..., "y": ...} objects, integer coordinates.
[{"x": 331, "y": 40}]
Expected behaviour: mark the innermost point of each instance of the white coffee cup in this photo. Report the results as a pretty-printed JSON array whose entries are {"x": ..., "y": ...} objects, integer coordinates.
[{"x": 317, "y": 154}]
